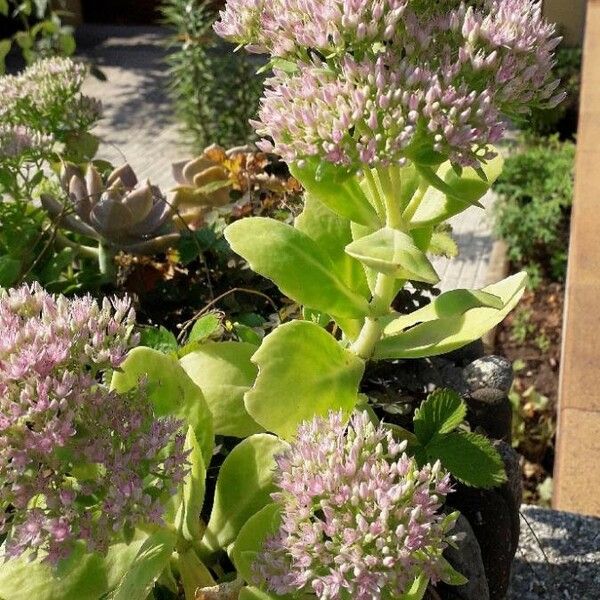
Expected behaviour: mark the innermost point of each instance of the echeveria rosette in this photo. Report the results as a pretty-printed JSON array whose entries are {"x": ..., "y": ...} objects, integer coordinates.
[
  {"x": 359, "y": 518},
  {"x": 384, "y": 78},
  {"x": 121, "y": 213},
  {"x": 77, "y": 461}
]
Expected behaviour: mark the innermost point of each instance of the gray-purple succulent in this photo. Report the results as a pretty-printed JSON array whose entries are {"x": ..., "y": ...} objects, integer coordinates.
[{"x": 121, "y": 213}]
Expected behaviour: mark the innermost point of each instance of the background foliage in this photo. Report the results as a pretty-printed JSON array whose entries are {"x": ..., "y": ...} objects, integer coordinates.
[{"x": 215, "y": 90}]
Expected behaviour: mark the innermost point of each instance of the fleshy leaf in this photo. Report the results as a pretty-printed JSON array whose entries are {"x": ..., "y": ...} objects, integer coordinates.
[
  {"x": 191, "y": 497},
  {"x": 298, "y": 266},
  {"x": 337, "y": 188},
  {"x": 170, "y": 390},
  {"x": 443, "y": 411},
  {"x": 470, "y": 458},
  {"x": 441, "y": 335},
  {"x": 224, "y": 373},
  {"x": 85, "y": 576},
  {"x": 252, "y": 537},
  {"x": 152, "y": 558},
  {"x": 244, "y": 486},
  {"x": 393, "y": 253},
  {"x": 332, "y": 233},
  {"x": 303, "y": 372},
  {"x": 458, "y": 194}
]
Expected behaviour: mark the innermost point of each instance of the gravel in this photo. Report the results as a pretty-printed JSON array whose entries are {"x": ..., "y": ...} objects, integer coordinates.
[{"x": 563, "y": 563}]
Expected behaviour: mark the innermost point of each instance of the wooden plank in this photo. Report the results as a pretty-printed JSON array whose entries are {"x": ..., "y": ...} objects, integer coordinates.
[{"x": 577, "y": 469}]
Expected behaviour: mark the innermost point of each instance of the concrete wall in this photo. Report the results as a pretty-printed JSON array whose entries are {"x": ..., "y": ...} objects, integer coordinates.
[{"x": 569, "y": 15}]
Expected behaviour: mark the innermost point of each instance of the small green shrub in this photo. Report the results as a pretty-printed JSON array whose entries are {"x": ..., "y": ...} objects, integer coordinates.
[
  {"x": 563, "y": 118},
  {"x": 215, "y": 90},
  {"x": 41, "y": 31},
  {"x": 533, "y": 211}
]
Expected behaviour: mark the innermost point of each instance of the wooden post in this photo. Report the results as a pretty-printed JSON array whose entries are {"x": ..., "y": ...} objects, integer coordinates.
[
  {"x": 577, "y": 469},
  {"x": 569, "y": 15}
]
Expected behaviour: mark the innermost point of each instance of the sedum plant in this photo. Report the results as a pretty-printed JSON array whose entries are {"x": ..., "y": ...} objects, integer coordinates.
[{"x": 386, "y": 112}]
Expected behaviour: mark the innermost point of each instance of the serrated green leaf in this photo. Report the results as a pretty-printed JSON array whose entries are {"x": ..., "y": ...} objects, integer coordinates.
[
  {"x": 251, "y": 538},
  {"x": 469, "y": 457},
  {"x": 146, "y": 568},
  {"x": 204, "y": 327},
  {"x": 337, "y": 188},
  {"x": 170, "y": 390},
  {"x": 393, "y": 253},
  {"x": 303, "y": 372},
  {"x": 442, "y": 412},
  {"x": 158, "y": 338},
  {"x": 244, "y": 486},
  {"x": 434, "y": 336},
  {"x": 224, "y": 373},
  {"x": 297, "y": 265}
]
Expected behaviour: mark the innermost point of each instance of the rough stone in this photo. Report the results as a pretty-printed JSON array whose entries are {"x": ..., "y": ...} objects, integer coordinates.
[
  {"x": 466, "y": 559},
  {"x": 492, "y": 372}
]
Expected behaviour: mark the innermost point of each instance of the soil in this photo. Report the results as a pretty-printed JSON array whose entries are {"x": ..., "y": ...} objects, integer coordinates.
[{"x": 531, "y": 338}]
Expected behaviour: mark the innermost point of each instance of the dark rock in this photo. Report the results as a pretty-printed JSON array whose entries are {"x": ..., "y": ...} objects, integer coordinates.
[
  {"x": 494, "y": 517},
  {"x": 466, "y": 559}
]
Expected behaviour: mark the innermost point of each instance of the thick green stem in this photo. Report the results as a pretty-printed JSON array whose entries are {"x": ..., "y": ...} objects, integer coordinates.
[
  {"x": 106, "y": 262},
  {"x": 194, "y": 573}
]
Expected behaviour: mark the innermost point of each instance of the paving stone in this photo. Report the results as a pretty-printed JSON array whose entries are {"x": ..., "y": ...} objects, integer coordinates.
[{"x": 558, "y": 557}]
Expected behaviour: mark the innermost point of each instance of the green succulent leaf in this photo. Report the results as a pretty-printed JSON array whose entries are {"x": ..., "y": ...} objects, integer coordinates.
[
  {"x": 151, "y": 560},
  {"x": 303, "y": 372},
  {"x": 470, "y": 457},
  {"x": 83, "y": 576},
  {"x": 450, "y": 575},
  {"x": 244, "y": 486},
  {"x": 393, "y": 253},
  {"x": 442, "y": 412},
  {"x": 170, "y": 390},
  {"x": 10, "y": 268},
  {"x": 439, "y": 335},
  {"x": 191, "y": 496},
  {"x": 417, "y": 589},
  {"x": 204, "y": 327},
  {"x": 442, "y": 244},
  {"x": 451, "y": 193},
  {"x": 337, "y": 188},
  {"x": 224, "y": 373},
  {"x": 251, "y": 538},
  {"x": 254, "y": 593},
  {"x": 298, "y": 266},
  {"x": 332, "y": 233}
]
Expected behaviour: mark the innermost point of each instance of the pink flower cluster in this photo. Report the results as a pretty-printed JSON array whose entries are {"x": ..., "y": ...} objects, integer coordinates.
[
  {"x": 359, "y": 518},
  {"x": 17, "y": 141},
  {"x": 77, "y": 461},
  {"x": 47, "y": 97},
  {"x": 367, "y": 81}
]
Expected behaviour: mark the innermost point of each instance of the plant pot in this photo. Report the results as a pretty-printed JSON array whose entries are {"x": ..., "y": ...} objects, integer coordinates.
[{"x": 489, "y": 526}]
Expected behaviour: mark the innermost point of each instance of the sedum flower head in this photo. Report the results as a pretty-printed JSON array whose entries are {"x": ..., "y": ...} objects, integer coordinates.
[
  {"x": 368, "y": 81},
  {"x": 77, "y": 461},
  {"x": 18, "y": 141},
  {"x": 359, "y": 518},
  {"x": 47, "y": 96}
]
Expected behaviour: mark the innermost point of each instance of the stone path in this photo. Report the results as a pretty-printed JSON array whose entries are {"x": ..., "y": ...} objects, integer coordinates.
[
  {"x": 558, "y": 557},
  {"x": 139, "y": 126}
]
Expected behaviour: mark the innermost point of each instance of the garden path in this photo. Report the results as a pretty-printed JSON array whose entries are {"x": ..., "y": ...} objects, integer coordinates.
[{"x": 139, "y": 126}]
